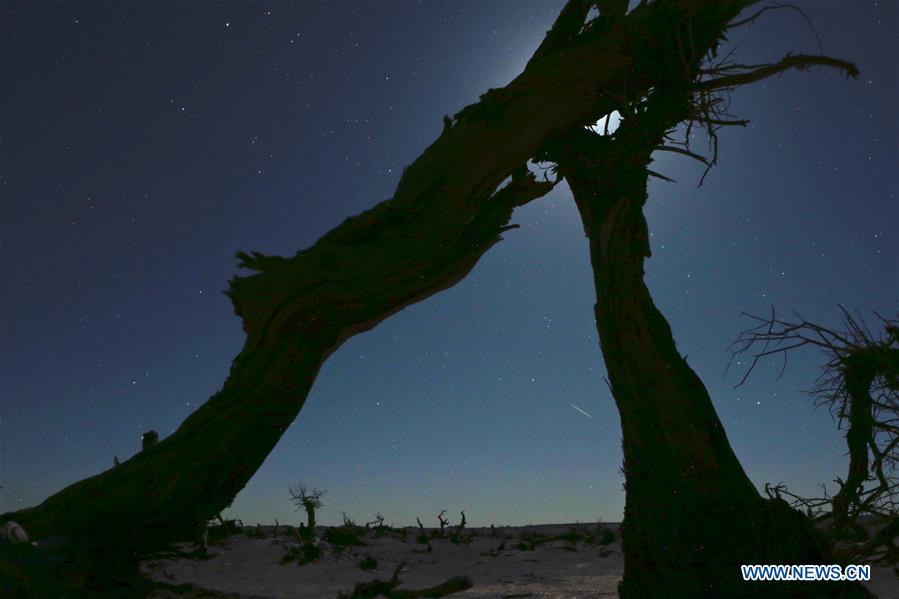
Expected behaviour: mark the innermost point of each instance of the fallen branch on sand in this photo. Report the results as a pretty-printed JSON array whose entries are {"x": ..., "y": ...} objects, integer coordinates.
[{"x": 378, "y": 588}]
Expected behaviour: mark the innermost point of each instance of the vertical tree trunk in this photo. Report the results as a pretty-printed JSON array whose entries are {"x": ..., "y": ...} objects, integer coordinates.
[
  {"x": 692, "y": 516},
  {"x": 858, "y": 374}
]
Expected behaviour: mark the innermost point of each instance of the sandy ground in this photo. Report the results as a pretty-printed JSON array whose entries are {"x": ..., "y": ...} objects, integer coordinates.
[
  {"x": 251, "y": 567},
  {"x": 245, "y": 567}
]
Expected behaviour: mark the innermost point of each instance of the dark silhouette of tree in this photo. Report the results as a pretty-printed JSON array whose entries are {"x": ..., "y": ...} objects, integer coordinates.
[
  {"x": 859, "y": 384},
  {"x": 692, "y": 516},
  {"x": 443, "y": 520},
  {"x": 377, "y": 521},
  {"x": 687, "y": 496},
  {"x": 309, "y": 499}
]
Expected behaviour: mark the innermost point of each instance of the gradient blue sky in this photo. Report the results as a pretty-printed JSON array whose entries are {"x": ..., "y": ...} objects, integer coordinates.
[{"x": 143, "y": 144}]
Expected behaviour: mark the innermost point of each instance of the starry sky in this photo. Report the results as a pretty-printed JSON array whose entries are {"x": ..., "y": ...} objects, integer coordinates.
[{"x": 143, "y": 144}]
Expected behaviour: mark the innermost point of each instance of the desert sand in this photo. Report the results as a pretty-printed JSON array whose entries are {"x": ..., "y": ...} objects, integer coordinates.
[
  {"x": 251, "y": 567},
  {"x": 249, "y": 564}
]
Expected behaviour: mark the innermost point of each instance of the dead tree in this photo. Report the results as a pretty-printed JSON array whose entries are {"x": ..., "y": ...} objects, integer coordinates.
[
  {"x": 447, "y": 211},
  {"x": 309, "y": 500},
  {"x": 443, "y": 520},
  {"x": 456, "y": 536},
  {"x": 692, "y": 516},
  {"x": 378, "y": 521},
  {"x": 859, "y": 384}
]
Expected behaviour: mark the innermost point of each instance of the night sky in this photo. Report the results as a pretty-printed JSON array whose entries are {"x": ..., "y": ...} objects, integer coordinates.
[{"x": 143, "y": 144}]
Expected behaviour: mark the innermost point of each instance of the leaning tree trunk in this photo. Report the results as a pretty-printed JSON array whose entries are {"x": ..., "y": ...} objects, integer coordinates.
[
  {"x": 692, "y": 516},
  {"x": 296, "y": 312}
]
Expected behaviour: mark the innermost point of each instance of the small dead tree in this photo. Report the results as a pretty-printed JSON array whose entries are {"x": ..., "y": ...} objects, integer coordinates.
[
  {"x": 456, "y": 537},
  {"x": 309, "y": 500},
  {"x": 377, "y": 522},
  {"x": 859, "y": 384},
  {"x": 443, "y": 520}
]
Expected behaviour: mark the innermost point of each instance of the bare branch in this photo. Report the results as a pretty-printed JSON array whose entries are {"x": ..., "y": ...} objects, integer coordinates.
[
  {"x": 684, "y": 152},
  {"x": 778, "y": 6},
  {"x": 652, "y": 173},
  {"x": 799, "y": 61},
  {"x": 304, "y": 497}
]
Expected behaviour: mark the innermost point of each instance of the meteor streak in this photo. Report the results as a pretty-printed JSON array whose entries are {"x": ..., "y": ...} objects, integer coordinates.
[{"x": 580, "y": 410}]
